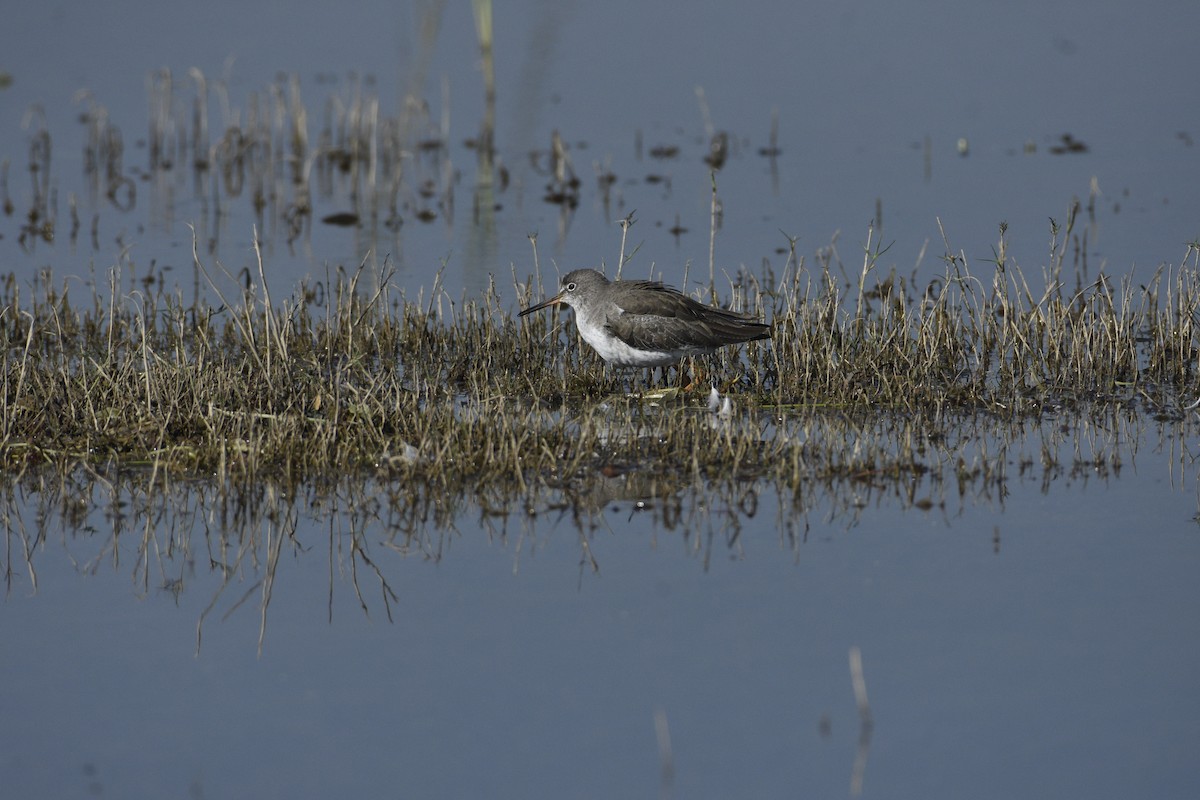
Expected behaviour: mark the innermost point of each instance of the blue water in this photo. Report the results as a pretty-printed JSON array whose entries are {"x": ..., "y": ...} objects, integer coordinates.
[
  {"x": 872, "y": 99},
  {"x": 1034, "y": 638}
]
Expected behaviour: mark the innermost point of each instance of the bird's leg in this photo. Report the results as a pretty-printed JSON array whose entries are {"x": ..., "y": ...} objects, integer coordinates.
[{"x": 696, "y": 374}]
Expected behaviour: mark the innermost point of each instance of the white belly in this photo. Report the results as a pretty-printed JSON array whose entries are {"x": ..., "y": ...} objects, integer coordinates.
[{"x": 614, "y": 351}]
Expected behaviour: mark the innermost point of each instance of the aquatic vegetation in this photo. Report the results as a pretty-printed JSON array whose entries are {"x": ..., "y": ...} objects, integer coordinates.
[
  {"x": 349, "y": 375},
  {"x": 223, "y": 539}
]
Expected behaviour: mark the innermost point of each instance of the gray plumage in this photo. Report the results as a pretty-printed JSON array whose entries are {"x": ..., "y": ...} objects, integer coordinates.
[{"x": 644, "y": 323}]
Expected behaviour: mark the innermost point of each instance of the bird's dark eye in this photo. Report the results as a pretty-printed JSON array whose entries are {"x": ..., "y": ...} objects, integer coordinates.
[{"x": 571, "y": 286}]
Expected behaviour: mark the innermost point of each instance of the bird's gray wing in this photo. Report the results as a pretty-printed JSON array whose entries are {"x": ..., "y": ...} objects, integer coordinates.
[{"x": 663, "y": 319}]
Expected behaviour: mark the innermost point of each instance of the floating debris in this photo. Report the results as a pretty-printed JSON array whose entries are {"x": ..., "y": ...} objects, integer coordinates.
[
  {"x": 1069, "y": 144},
  {"x": 343, "y": 219}
]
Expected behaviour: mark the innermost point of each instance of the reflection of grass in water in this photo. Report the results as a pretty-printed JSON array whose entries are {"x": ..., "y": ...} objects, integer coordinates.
[
  {"x": 456, "y": 396},
  {"x": 231, "y": 540},
  {"x": 278, "y": 151}
]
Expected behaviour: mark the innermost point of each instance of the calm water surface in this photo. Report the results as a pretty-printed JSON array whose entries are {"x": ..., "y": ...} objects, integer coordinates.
[
  {"x": 1034, "y": 637},
  {"x": 873, "y": 100}
]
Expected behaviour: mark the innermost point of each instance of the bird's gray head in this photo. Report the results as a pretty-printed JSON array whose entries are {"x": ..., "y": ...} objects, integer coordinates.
[{"x": 575, "y": 285}]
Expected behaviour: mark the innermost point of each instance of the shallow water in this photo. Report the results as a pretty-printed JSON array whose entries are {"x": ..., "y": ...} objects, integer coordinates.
[
  {"x": 1025, "y": 630},
  {"x": 872, "y": 101},
  {"x": 1027, "y": 636}
]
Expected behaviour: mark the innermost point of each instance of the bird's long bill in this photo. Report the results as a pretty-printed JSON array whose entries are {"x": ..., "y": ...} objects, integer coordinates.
[{"x": 553, "y": 301}]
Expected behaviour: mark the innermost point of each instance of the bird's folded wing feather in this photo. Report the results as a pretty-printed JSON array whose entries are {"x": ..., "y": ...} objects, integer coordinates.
[{"x": 661, "y": 318}]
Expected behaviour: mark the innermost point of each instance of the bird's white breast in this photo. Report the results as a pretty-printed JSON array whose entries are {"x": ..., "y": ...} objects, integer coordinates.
[{"x": 613, "y": 350}]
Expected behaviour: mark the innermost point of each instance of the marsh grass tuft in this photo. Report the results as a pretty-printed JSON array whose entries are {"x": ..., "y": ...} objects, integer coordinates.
[{"x": 341, "y": 378}]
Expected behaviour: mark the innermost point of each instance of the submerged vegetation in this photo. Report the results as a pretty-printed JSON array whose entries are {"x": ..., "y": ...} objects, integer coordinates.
[{"x": 231, "y": 543}]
